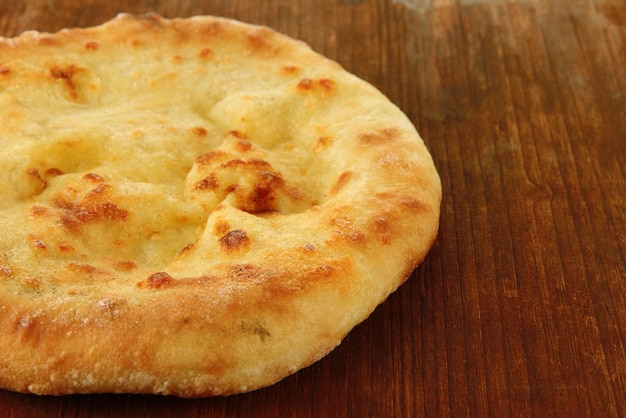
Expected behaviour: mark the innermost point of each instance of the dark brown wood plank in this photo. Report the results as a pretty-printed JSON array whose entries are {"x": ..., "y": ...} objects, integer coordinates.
[{"x": 520, "y": 307}]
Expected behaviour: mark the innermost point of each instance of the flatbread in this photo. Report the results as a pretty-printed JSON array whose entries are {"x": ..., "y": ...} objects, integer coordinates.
[{"x": 194, "y": 207}]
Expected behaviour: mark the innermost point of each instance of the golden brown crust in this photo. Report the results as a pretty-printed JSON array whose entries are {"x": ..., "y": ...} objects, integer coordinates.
[{"x": 194, "y": 207}]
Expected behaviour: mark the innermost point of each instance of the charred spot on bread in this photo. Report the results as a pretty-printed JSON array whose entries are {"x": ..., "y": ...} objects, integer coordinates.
[
  {"x": 160, "y": 280},
  {"x": 235, "y": 240}
]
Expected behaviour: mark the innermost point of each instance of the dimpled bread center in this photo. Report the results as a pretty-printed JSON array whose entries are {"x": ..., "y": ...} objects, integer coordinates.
[{"x": 123, "y": 166}]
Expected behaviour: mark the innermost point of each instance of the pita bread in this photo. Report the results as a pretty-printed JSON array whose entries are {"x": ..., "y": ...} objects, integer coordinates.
[{"x": 194, "y": 207}]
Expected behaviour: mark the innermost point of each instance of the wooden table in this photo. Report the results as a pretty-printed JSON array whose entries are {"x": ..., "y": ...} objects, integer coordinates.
[{"x": 520, "y": 307}]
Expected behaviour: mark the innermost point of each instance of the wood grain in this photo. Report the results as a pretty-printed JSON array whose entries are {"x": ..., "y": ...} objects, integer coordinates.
[{"x": 520, "y": 308}]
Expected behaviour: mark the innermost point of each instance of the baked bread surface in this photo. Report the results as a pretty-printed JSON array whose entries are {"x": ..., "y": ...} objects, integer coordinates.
[{"x": 194, "y": 207}]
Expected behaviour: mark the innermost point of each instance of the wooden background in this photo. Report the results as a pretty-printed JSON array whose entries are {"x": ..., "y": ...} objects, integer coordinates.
[{"x": 520, "y": 307}]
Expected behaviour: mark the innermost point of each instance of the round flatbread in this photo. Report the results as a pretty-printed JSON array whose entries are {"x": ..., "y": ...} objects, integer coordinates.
[{"x": 194, "y": 207}]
